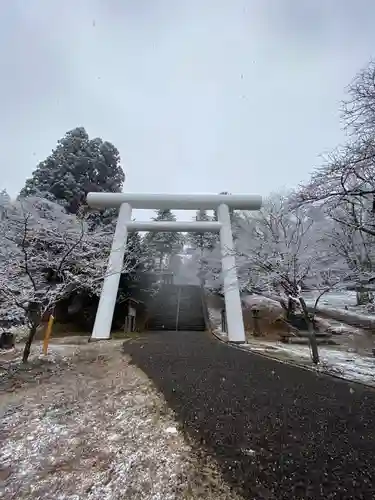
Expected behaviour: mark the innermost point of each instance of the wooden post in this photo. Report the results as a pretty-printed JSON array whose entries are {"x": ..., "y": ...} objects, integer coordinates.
[
  {"x": 257, "y": 332},
  {"x": 48, "y": 334}
]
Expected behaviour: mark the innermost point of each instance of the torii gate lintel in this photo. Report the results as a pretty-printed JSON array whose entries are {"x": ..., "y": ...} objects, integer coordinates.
[{"x": 127, "y": 201}]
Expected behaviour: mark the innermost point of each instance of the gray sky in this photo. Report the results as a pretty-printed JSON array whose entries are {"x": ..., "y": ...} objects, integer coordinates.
[{"x": 198, "y": 95}]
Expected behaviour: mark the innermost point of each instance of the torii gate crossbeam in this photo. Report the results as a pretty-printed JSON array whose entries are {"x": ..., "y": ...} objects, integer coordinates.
[{"x": 127, "y": 201}]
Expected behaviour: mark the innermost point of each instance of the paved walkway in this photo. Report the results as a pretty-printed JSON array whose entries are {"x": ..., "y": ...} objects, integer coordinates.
[{"x": 277, "y": 431}]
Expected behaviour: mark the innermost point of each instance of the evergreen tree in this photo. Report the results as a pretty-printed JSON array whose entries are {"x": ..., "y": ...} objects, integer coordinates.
[
  {"x": 202, "y": 241},
  {"x": 137, "y": 260},
  {"x": 135, "y": 248},
  {"x": 76, "y": 166},
  {"x": 204, "y": 244},
  {"x": 164, "y": 244}
]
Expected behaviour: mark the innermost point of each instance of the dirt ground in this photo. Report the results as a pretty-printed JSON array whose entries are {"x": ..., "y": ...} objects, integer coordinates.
[{"x": 84, "y": 423}]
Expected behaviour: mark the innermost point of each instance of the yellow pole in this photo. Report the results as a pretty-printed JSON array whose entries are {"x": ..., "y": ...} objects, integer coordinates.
[{"x": 48, "y": 334}]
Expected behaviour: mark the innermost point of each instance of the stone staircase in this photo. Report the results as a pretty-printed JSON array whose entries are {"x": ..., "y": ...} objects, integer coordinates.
[{"x": 177, "y": 307}]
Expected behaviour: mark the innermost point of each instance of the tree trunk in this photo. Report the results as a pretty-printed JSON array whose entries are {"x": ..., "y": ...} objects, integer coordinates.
[
  {"x": 291, "y": 309},
  {"x": 312, "y": 336},
  {"x": 256, "y": 327},
  {"x": 364, "y": 297},
  {"x": 29, "y": 341}
]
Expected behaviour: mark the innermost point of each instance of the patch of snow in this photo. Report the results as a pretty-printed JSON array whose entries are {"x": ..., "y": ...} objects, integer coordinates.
[
  {"x": 55, "y": 353},
  {"x": 339, "y": 328},
  {"x": 332, "y": 299},
  {"x": 264, "y": 348},
  {"x": 300, "y": 351},
  {"x": 349, "y": 365},
  {"x": 171, "y": 430},
  {"x": 20, "y": 331},
  {"x": 248, "y": 452},
  {"x": 349, "y": 316}
]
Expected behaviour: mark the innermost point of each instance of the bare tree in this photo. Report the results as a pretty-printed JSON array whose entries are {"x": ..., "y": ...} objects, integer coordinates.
[
  {"x": 348, "y": 174},
  {"x": 358, "y": 110},
  {"x": 345, "y": 195},
  {"x": 275, "y": 247}
]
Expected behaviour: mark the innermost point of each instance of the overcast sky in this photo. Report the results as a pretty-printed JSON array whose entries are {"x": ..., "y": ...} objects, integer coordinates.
[{"x": 198, "y": 95}]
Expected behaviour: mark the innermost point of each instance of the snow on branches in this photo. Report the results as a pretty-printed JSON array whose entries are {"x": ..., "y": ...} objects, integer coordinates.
[
  {"x": 45, "y": 255},
  {"x": 280, "y": 249},
  {"x": 348, "y": 173}
]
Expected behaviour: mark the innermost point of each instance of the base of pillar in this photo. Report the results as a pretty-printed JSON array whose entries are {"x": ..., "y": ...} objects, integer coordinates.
[
  {"x": 238, "y": 342},
  {"x": 99, "y": 340}
]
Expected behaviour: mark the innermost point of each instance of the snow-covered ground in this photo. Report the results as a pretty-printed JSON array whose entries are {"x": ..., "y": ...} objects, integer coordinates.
[
  {"x": 350, "y": 359},
  {"x": 349, "y": 365},
  {"x": 332, "y": 299},
  {"x": 83, "y": 423}
]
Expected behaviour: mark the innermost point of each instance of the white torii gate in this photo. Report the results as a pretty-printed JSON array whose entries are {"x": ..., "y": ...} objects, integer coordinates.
[{"x": 127, "y": 201}]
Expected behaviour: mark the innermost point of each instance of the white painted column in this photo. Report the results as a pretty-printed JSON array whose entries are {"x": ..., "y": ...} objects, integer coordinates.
[
  {"x": 236, "y": 331},
  {"x": 104, "y": 314}
]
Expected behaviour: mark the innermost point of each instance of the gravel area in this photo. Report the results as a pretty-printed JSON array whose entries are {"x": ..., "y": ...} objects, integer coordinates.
[
  {"x": 277, "y": 431},
  {"x": 84, "y": 424}
]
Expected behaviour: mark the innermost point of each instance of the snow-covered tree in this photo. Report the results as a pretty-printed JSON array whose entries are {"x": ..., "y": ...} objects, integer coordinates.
[
  {"x": 344, "y": 190},
  {"x": 164, "y": 244},
  {"x": 283, "y": 250},
  {"x": 354, "y": 246},
  {"x": 280, "y": 250},
  {"x": 348, "y": 173},
  {"x": 76, "y": 166},
  {"x": 47, "y": 254},
  {"x": 358, "y": 111},
  {"x": 344, "y": 186}
]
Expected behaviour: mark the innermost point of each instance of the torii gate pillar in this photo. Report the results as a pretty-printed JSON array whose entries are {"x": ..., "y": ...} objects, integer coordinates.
[
  {"x": 126, "y": 201},
  {"x": 108, "y": 295}
]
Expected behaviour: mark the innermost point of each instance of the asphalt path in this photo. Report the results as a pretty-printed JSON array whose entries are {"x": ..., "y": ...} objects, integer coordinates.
[{"x": 277, "y": 431}]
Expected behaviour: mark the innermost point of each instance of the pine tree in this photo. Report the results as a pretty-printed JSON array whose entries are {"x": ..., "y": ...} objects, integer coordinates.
[
  {"x": 164, "y": 244},
  {"x": 76, "y": 166}
]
